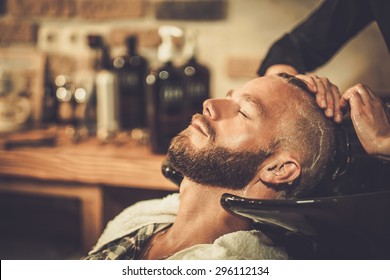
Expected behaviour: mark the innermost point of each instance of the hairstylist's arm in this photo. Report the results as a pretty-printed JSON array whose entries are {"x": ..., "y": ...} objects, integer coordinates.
[
  {"x": 370, "y": 120},
  {"x": 281, "y": 68}
]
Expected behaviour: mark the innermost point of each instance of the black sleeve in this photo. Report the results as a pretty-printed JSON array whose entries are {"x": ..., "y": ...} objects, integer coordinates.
[{"x": 315, "y": 40}]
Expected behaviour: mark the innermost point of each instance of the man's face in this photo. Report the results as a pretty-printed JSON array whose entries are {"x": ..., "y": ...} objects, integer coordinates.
[{"x": 227, "y": 143}]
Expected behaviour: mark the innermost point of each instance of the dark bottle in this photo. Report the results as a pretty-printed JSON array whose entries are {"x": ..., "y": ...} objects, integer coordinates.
[
  {"x": 85, "y": 97},
  {"x": 166, "y": 110},
  {"x": 106, "y": 87},
  {"x": 131, "y": 70},
  {"x": 50, "y": 102},
  {"x": 66, "y": 103},
  {"x": 196, "y": 79}
]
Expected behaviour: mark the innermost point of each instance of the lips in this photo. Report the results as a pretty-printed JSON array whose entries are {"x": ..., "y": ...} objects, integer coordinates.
[
  {"x": 199, "y": 128},
  {"x": 199, "y": 123}
]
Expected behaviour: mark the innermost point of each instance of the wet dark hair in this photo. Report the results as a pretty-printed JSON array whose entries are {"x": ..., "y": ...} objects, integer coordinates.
[{"x": 317, "y": 138}]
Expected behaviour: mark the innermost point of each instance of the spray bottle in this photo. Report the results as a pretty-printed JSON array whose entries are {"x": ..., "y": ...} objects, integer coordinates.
[
  {"x": 196, "y": 77},
  {"x": 165, "y": 94}
]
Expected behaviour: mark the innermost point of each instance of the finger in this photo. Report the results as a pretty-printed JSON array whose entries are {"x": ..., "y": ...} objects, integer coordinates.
[
  {"x": 373, "y": 97},
  {"x": 377, "y": 102},
  {"x": 344, "y": 102},
  {"x": 309, "y": 80},
  {"x": 363, "y": 92},
  {"x": 338, "y": 115},
  {"x": 371, "y": 94},
  {"x": 352, "y": 98},
  {"x": 321, "y": 91},
  {"x": 329, "y": 95}
]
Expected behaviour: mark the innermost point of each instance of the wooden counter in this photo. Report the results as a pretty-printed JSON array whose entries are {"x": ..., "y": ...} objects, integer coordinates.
[
  {"x": 78, "y": 171},
  {"x": 128, "y": 164}
]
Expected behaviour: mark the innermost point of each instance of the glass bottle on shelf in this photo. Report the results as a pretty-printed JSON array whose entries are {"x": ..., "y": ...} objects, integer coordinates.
[
  {"x": 50, "y": 102},
  {"x": 106, "y": 86},
  {"x": 131, "y": 70},
  {"x": 166, "y": 110},
  {"x": 64, "y": 94},
  {"x": 196, "y": 78}
]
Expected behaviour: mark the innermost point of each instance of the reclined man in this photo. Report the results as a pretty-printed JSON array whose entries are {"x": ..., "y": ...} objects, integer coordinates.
[{"x": 267, "y": 140}]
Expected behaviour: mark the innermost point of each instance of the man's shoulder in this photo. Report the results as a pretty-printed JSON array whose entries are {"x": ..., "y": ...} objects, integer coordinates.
[{"x": 154, "y": 211}]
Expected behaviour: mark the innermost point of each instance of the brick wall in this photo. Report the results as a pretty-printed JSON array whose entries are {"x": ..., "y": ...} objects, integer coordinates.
[
  {"x": 23, "y": 16},
  {"x": 24, "y": 23},
  {"x": 16, "y": 31},
  {"x": 41, "y": 8}
]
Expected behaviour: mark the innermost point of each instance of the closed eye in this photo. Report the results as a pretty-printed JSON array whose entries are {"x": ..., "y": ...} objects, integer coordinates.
[{"x": 243, "y": 114}]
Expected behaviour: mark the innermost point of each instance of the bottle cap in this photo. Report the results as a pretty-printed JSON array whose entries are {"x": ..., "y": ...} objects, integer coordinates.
[
  {"x": 166, "y": 50},
  {"x": 190, "y": 47}
]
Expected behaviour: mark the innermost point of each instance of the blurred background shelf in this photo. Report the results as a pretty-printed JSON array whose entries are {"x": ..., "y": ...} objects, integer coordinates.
[{"x": 93, "y": 181}]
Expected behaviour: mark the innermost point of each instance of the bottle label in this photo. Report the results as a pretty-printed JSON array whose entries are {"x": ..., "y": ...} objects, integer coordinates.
[
  {"x": 132, "y": 99},
  {"x": 129, "y": 80},
  {"x": 171, "y": 98},
  {"x": 197, "y": 91}
]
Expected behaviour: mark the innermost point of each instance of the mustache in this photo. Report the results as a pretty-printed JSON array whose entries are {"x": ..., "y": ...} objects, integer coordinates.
[{"x": 205, "y": 125}]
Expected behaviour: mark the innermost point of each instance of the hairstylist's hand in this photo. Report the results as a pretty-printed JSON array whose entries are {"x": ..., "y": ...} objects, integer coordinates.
[
  {"x": 327, "y": 95},
  {"x": 370, "y": 120}
]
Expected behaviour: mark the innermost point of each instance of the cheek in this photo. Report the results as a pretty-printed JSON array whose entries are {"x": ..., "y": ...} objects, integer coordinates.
[{"x": 240, "y": 136}]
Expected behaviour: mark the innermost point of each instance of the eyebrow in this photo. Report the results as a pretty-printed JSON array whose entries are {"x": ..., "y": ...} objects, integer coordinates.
[{"x": 255, "y": 102}]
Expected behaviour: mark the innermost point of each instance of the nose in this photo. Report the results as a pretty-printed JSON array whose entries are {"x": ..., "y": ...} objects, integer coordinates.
[
  {"x": 209, "y": 108},
  {"x": 218, "y": 108}
]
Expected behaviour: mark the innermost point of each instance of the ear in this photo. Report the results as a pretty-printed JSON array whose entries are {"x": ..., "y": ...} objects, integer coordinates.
[{"x": 282, "y": 168}]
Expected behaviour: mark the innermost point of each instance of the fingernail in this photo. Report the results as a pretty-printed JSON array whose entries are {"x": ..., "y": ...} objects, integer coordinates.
[
  {"x": 323, "y": 104},
  {"x": 329, "y": 112},
  {"x": 338, "y": 118}
]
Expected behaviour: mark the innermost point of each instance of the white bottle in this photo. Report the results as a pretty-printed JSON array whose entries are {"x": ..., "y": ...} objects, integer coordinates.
[
  {"x": 107, "y": 105},
  {"x": 107, "y": 92}
]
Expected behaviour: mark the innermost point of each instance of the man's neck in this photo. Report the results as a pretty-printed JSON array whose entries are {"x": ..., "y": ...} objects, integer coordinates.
[
  {"x": 200, "y": 207},
  {"x": 200, "y": 220}
]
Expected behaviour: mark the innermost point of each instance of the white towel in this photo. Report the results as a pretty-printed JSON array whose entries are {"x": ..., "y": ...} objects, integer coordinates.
[
  {"x": 138, "y": 215},
  {"x": 237, "y": 245}
]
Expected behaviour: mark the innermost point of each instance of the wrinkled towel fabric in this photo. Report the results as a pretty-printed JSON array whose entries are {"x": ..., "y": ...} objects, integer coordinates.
[{"x": 236, "y": 245}]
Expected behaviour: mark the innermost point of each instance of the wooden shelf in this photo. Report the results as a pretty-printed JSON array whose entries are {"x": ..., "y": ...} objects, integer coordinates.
[
  {"x": 90, "y": 162},
  {"x": 79, "y": 171}
]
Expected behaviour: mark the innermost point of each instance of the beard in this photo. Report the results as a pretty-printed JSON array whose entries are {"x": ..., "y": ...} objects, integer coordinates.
[{"x": 214, "y": 165}]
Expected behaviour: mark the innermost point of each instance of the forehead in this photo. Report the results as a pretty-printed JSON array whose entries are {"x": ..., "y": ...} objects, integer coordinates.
[{"x": 270, "y": 89}]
